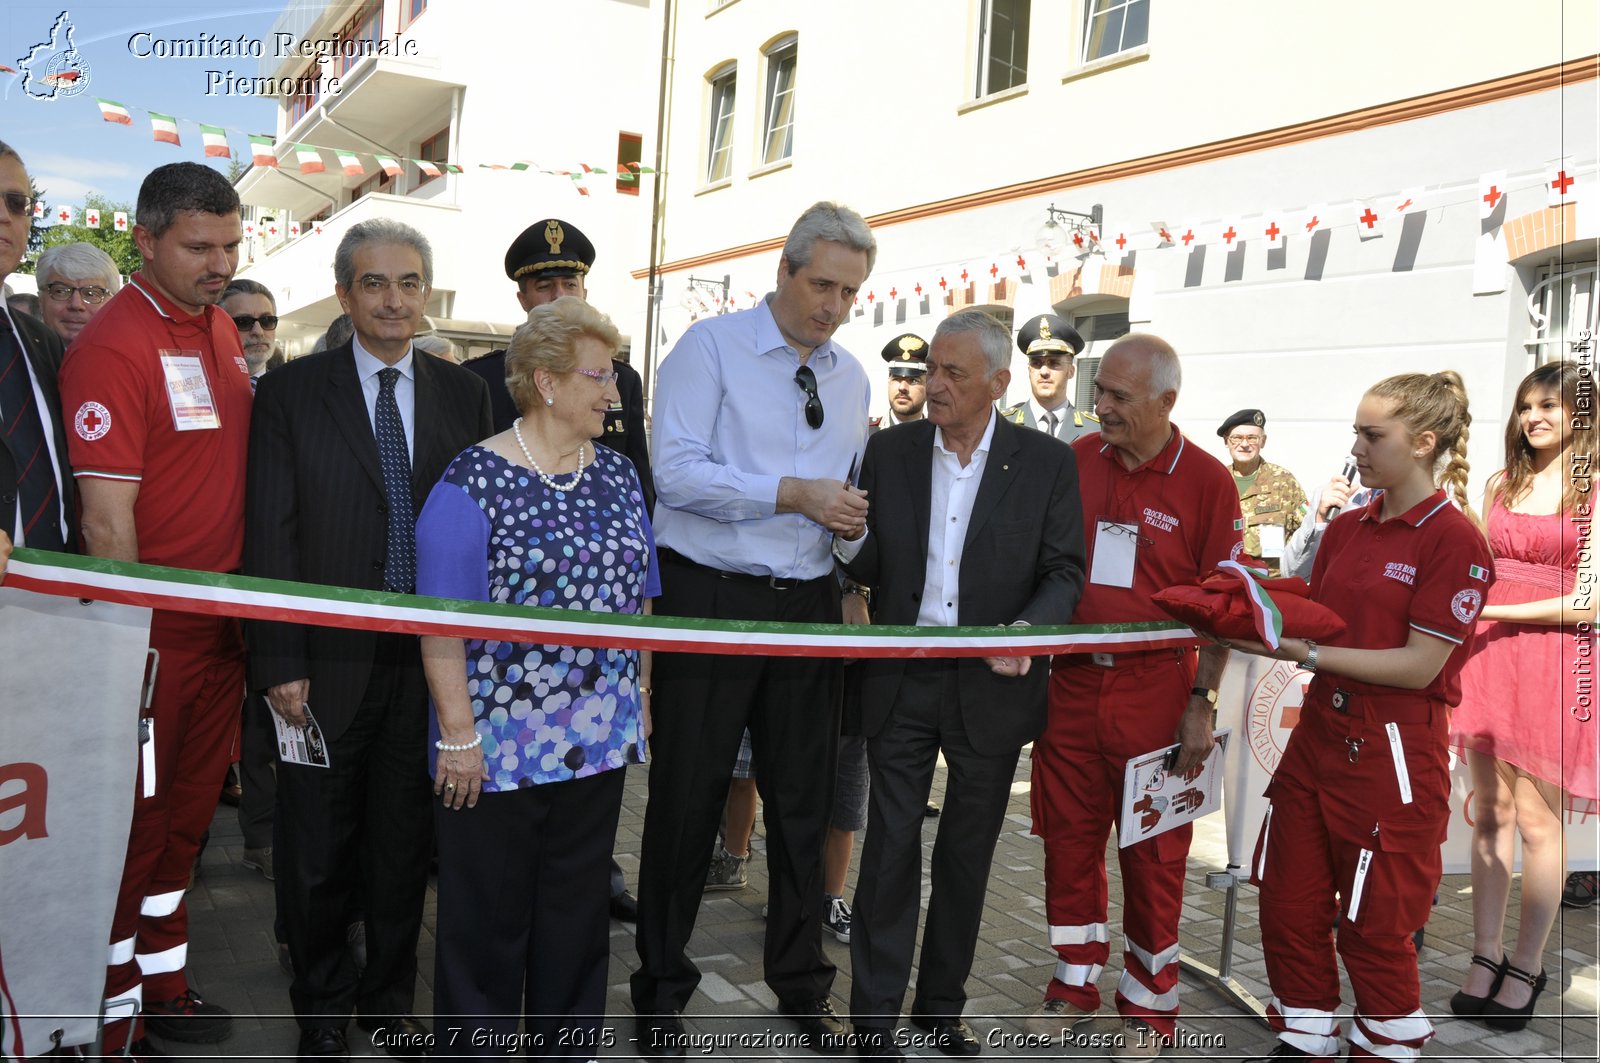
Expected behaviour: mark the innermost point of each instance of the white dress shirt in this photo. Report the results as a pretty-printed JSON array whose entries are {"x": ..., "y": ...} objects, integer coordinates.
[
  {"x": 955, "y": 487},
  {"x": 405, "y": 389}
]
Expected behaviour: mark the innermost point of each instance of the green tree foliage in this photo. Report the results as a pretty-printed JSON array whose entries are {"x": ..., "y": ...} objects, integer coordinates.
[{"x": 119, "y": 246}]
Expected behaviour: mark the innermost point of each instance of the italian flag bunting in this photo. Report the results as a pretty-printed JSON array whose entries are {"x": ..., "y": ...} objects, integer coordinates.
[
  {"x": 164, "y": 128},
  {"x": 112, "y": 111},
  {"x": 215, "y": 139},
  {"x": 427, "y": 167},
  {"x": 261, "y": 152},
  {"x": 310, "y": 159},
  {"x": 450, "y": 167},
  {"x": 388, "y": 165},
  {"x": 351, "y": 164}
]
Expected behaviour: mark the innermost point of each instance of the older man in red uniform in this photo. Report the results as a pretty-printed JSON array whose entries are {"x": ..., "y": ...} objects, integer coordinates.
[
  {"x": 1158, "y": 511},
  {"x": 157, "y": 391}
]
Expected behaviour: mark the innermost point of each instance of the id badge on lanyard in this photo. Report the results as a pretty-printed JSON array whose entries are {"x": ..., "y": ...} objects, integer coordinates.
[
  {"x": 1116, "y": 549},
  {"x": 189, "y": 394}
]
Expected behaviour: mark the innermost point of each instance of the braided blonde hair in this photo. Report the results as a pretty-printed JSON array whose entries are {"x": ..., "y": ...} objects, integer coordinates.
[{"x": 1437, "y": 403}]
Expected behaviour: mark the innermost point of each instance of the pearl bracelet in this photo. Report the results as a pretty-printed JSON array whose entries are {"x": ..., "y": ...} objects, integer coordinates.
[{"x": 446, "y": 747}]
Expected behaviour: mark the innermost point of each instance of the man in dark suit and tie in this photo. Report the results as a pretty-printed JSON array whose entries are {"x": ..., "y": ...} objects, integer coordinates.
[
  {"x": 973, "y": 521},
  {"x": 36, "y": 502},
  {"x": 344, "y": 447}
]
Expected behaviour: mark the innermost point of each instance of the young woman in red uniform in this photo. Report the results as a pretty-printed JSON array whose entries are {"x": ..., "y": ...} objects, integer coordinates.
[
  {"x": 1361, "y": 800},
  {"x": 1528, "y": 735}
]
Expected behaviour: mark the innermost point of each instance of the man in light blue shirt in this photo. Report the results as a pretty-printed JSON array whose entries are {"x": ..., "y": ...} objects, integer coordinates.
[{"x": 760, "y": 422}]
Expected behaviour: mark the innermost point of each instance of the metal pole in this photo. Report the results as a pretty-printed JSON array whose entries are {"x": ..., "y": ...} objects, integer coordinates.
[{"x": 668, "y": 21}]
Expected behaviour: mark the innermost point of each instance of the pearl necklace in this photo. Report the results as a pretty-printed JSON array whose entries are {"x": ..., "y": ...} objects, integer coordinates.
[{"x": 544, "y": 477}]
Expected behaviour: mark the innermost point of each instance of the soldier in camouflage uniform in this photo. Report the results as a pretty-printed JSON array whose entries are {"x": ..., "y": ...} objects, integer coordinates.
[{"x": 1269, "y": 495}]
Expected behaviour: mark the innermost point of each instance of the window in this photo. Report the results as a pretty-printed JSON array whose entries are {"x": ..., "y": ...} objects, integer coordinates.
[
  {"x": 435, "y": 149},
  {"x": 1563, "y": 306},
  {"x": 1097, "y": 330},
  {"x": 779, "y": 141},
  {"x": 630, "y": 151},
  {"x": 410, "y": 9},
  {"x": 719, "y": 155},
  {"x": 1112, "y": 26},
  {"x": 1002, "y": 46},
  {"x": 378, "y": 182}
]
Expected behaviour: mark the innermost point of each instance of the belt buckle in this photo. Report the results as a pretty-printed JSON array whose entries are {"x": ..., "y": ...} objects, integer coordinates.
[
  {"x": 1340, "y": 701},
  {"x": 1104, "y": 660},
  {"x": 782, "y": 583}
]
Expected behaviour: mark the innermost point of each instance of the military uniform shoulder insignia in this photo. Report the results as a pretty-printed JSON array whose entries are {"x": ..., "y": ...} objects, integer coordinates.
[
  {"x": 875, "y": 422},
  {"x": 1017, "y": 414}
]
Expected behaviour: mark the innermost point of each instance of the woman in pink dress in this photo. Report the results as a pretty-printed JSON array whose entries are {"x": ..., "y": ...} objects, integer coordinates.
[{"x": 1528, "y": 727}]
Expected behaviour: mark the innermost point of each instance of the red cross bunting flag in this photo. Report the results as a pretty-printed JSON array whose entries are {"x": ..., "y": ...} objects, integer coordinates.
[
  {"x": 1163, "y": 231},
  {"x": 91, "y": 218},
  {"x": 249, "y": 228},
  {"x": 1189, "y": 238},
  {"x": 1369, "y": 223},
  {"x": 1561, "y": 183},
  {"x": 1407, "y": 202},
  {"x": 1313, "y": 218},
  {"x": 1491, "y": 194},
  {"x": 1229, "y": 233},
  {"x": 63, "y": 215},
  {"x": 119, "y": 221},
  {"x": 294, "y": 230},
  {"x": 1272, "y": 230}
]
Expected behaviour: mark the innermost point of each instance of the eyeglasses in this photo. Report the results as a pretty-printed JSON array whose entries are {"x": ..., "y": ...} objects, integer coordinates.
[
  {"x": 603, "y": 377},
  {"x": 808, "y": 384},
  {"x": 375, "y": 285},
  {"x": 92, "y": 294},
  {"x": 1245, "y": 441},
  {"x": 19, "y": 204},
  {"x": 245, "y": 322}
]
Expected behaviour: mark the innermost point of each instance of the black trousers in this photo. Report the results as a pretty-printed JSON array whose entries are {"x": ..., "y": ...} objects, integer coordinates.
[
  {"x": 356, "y": 835},
  {"x": 524, "y": 919},
  {"x": 926, "y": 719},
  {"x": 701, "y": 707},
  {"x": 258, "y": 772}
]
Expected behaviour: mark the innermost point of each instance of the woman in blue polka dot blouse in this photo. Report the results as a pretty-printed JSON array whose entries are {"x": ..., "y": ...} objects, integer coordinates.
[{"x": 528, "y": 742}]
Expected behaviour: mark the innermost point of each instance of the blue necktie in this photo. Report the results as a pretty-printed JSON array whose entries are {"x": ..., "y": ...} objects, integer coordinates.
[
  {"x": 38, "y": 498},
  {"x": 400, "y": 560}
]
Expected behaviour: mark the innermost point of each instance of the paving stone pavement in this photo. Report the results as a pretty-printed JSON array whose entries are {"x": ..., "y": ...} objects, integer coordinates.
[{"x": 233, "y": 962}]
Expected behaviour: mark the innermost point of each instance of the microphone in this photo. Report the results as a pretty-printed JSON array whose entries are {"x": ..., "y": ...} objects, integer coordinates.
[{"x": 1349, "y": 473}]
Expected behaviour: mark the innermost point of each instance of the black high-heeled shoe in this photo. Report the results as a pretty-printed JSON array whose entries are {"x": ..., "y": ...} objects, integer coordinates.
[
  {"x": 1502, "y": 1017},
  {"x": 1468, "y": 1006}
]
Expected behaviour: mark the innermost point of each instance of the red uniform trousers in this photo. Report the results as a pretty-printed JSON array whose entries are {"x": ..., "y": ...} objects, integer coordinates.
[
  {"x": 194, "y": 722},
  {"x": 1099, "y": 718},
  {"x": 1339, "y": 824}
]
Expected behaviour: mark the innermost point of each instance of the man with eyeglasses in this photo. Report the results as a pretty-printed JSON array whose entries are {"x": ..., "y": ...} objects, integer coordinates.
[
  {"x": 75, "y": 280},
  {"x": 1270, "y": 497},
  {"x": 345, "y": 446},
  {"x": 1050, "y": 344},
  {"x": 37, "y": 502},
  {"x": 761, "y": 421},
  {"x": 159, "y": 400},
  {"x": 254, "y": 310}
]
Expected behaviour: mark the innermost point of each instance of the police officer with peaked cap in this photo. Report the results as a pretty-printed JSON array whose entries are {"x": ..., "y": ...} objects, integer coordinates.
[
  {"x": 907, "y": 356},
  {"x": 1050, "y": 345}
]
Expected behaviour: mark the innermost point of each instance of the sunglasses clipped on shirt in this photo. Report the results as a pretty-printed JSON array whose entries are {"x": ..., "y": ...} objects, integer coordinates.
[
  {"x": 246, "y": 322},
  {"x": 808, "y": 384}
]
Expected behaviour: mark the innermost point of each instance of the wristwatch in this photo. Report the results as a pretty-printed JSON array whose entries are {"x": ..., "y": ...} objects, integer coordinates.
[
  {"x": 1310, "y": 663},
  {"x": 1204, "y": 692}
]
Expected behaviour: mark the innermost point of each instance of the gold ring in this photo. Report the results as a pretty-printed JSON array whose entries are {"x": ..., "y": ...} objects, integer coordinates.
[{"x": 449, "y": 786}]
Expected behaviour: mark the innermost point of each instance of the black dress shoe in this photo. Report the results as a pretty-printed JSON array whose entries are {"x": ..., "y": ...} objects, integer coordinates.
[
  {"x": 661, "y": 1036},
  {"x": 323, "y": 1042},
  {"x": 874, "y": 1042},
  {"x": 933, "y": 810},
  {"x": 820, "y": 1029},
  {"x": 402, "y": 1036},
  {"x": 950, "y": 1036},
  {"x": 624, "y": 907}
]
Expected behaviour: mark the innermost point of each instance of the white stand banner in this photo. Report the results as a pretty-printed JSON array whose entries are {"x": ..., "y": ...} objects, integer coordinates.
[
  {"x": 1260, "y": 699},
  {"x": 69, "y": 733}
]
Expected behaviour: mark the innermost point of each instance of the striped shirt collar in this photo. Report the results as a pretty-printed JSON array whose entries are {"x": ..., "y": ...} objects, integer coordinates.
[
  {"x": 1164, "y": 462},
  {"x": 164, "y": 306},
  {"x": 1416, "y": 516}
]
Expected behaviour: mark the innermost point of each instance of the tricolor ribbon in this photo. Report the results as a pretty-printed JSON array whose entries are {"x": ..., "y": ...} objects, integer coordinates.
[
  {"x": 1264, "y": 611},
  {"x": 250, "y": 598}
]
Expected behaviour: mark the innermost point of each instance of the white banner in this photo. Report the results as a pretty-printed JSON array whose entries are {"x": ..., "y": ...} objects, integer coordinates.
[
  {"x": 1260, "y": 700},
  {"x": 69, "y": 732}
]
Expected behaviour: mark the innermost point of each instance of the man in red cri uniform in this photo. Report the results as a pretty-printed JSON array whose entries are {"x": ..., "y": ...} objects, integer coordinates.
[
  {"x": 1157, "y": 511},
  {"x": 157, "y": 394}
]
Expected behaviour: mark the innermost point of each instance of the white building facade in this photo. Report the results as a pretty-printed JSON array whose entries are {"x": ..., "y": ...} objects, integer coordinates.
[
  {"x": 512, "y": 94},
  {"x": 954, "y": 126}
]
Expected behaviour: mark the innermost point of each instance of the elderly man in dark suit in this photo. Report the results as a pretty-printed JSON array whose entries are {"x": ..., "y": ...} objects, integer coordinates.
[
  {"x": 345, "y": 446},
  {"x": 36, "y": 502},
  {"x": 973, "y": 521}
]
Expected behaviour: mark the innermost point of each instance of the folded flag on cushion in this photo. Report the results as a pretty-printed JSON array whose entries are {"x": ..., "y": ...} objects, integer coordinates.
[{"x": 1235, "y": 602}]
